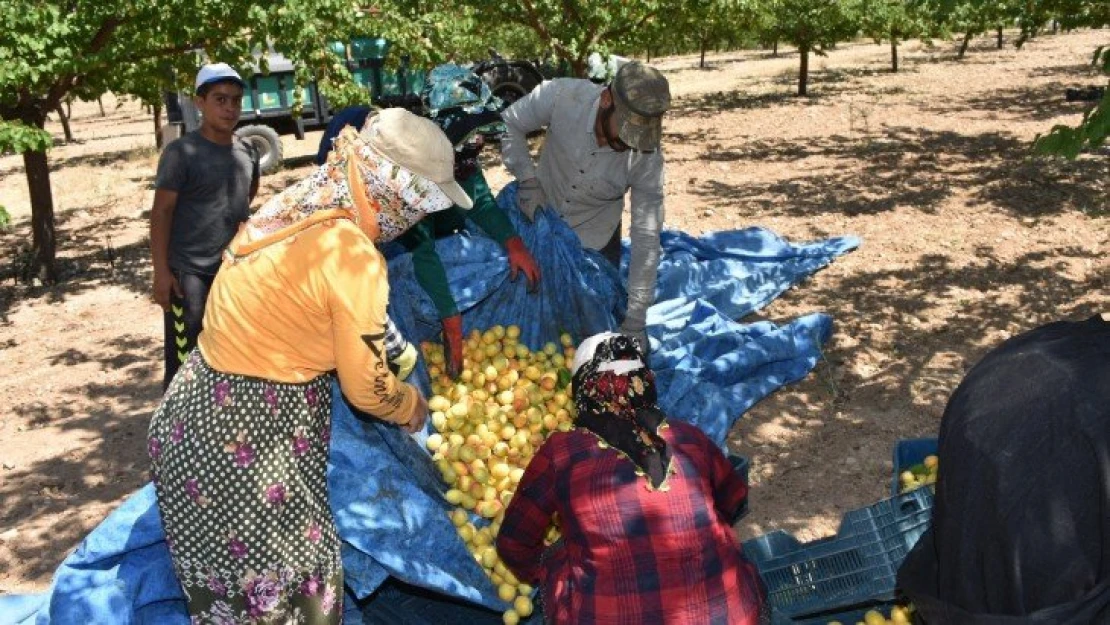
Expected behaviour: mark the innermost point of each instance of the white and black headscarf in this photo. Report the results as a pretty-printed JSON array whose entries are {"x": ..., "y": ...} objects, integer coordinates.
[{"x": 614, "y": 392}]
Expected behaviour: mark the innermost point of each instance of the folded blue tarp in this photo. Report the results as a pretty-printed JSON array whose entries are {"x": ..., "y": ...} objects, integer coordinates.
[{"x": 385, "y": 493}]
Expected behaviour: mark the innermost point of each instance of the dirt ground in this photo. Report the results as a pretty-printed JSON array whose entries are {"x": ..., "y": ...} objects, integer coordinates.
[{"x": 966, "y": 241}]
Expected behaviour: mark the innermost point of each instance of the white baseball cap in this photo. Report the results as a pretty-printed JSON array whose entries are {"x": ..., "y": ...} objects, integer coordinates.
[
  {"x": 215, "y": 72},
  {"x": 419, "y": 145}
]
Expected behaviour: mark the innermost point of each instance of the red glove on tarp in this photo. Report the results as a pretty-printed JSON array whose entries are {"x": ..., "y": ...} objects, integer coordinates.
[
  {"x": 453, "y": 345},
  {"x": 520, "y": 260}
]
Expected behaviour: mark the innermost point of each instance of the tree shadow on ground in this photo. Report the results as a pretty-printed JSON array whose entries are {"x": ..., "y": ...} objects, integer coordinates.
[
  {"x": 906, "y": 167},
  {"x": 714, "y": 103},
  {"x": 1080, "y": 72},
  {"x": 87, "y": 259},
  {"x": 1039, "y": 103},
  {"x": 921, "y": 357},
  {"x": 823, "y": 85},
  {"x": 100, "y": 159},
  {"x": 108, "y": 461},
  {"x": 96, "y": 159}
]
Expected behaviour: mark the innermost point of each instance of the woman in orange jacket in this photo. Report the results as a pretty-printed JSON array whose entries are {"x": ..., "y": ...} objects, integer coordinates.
[{"x": 240, "y": 442}]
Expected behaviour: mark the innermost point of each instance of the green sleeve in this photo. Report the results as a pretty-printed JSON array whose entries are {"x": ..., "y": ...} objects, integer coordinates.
[
  {"x": 430, "y": 274},
  {"x": 486, "y": 213}
]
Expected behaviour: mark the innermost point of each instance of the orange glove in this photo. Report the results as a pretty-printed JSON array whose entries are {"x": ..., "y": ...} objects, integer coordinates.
[{"x": 520, "y": 260}]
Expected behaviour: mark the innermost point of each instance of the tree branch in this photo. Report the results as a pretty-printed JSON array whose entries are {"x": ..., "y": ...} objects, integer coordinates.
[
  {"x": 572, "y": 9},
  {"x": 65, "y": 83},
  {"x": 639, "y": 23},
  {"x": 536, "y": 24}
]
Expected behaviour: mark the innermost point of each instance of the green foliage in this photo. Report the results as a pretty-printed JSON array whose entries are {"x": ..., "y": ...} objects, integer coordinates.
[
  {"x": 814, "y": 25},
  {"x": 17, "y": 137},
  {"x": 5, "y": 219},
  {"x": 899, "y": 20},
  {"x": 572, "y": 29},
  {"x": 705, "y": 22},
  {"x": 1088, "y": 135}
]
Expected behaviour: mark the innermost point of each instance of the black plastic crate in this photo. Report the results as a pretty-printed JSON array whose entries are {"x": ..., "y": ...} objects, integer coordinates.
[{"x": 857, "y": 566}]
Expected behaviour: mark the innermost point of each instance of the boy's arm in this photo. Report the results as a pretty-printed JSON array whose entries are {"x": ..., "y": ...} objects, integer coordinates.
[{"x": 161, "y": 221}]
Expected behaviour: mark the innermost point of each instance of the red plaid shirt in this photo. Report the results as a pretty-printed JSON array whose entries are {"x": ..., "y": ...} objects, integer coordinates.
[{"x": 629, "y": 554}]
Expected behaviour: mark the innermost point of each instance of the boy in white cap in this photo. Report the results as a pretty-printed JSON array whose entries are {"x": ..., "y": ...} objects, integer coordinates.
[{"x": 205, "y": 183}]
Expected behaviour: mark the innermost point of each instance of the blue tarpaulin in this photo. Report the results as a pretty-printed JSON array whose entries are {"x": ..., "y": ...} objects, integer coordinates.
[{"x": 385, "y": 494}]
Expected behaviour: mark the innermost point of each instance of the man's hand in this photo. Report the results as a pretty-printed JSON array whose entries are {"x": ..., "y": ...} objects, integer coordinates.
[
  {"x": 521, "y": 260},
  {"x": 165, "y": 284},
  {"x": 419, "y": 415},
  {"x": 530, "y": 198}
]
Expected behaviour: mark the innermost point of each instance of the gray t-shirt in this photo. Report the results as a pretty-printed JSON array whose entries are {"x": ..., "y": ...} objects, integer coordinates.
[{"x": 213, "y": 184}]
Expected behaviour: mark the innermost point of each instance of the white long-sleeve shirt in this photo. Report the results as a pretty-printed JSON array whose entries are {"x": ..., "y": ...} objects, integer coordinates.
[{"x": 586, "y": 183}]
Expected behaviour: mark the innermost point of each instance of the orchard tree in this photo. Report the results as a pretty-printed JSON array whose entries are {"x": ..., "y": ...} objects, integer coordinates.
[
  {"x": 572, "y": 29},
  {"x": 1067, "y": 13},
  {"x": 53, "y": 49},
  {"x": 974, "y": 17},
  {"x": 895, "y": 21},
  {"x": 812, "y": 26},
  {"x": 711, "y": 21}
]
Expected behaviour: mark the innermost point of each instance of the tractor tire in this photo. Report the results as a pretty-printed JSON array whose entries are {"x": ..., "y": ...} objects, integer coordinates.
[
  {"x": 266, "y": 142},
  {"x": 511, "y": 81}
]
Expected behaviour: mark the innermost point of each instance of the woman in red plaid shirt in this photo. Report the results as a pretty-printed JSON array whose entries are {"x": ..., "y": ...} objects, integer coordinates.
[{"x": 644, "y": 507}]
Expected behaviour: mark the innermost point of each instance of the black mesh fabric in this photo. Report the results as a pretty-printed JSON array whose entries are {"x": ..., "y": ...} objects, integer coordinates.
[{"x": 1021, "y": 525}]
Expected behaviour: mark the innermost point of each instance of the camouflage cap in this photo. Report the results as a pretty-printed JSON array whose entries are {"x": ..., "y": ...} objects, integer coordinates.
[{"x": 641, "y": 95}]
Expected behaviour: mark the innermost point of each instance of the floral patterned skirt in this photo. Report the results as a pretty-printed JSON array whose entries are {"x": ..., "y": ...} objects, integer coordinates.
[{"x": 240, "y": 471}]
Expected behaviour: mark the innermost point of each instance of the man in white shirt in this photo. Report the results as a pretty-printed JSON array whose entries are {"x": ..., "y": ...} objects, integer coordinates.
[{"x": 602, "y": 141}]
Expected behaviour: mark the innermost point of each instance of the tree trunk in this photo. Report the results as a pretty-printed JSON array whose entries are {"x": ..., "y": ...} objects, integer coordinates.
[
  {"x": 999, "y": 37},
  {"x": 158, "y": 125},
  {"x": 775, "y": 47},
  {"x": 64, "y": 119},
  {"x": 69, "y": 108},
  {"x": 894, "y": 54},
  {"x": 963, "y": 46},
  {"x": 100, "y": 102},
  {"x": 803, "y": 73},
  {"x": 42, "y": 215},
  {"x": 704, "y": 45},
  {"x": 578, "y": 67}
]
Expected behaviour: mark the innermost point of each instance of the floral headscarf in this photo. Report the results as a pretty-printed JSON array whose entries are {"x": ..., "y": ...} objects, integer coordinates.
[
  {"x": 384, "y": 198},
  {"x": 614, "y": 393}
]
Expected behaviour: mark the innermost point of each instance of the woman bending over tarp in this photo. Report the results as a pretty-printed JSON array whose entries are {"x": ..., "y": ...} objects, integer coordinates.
[{"x": 240, "y": 442}]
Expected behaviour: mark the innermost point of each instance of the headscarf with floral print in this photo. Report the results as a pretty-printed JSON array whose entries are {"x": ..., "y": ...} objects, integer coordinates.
[
  {"x": 384, "y": 198},
  {"x": 615, "y": 396}
]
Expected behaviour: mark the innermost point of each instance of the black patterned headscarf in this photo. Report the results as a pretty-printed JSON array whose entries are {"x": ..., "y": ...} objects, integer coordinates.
[{"x": 614, "y": 393}]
